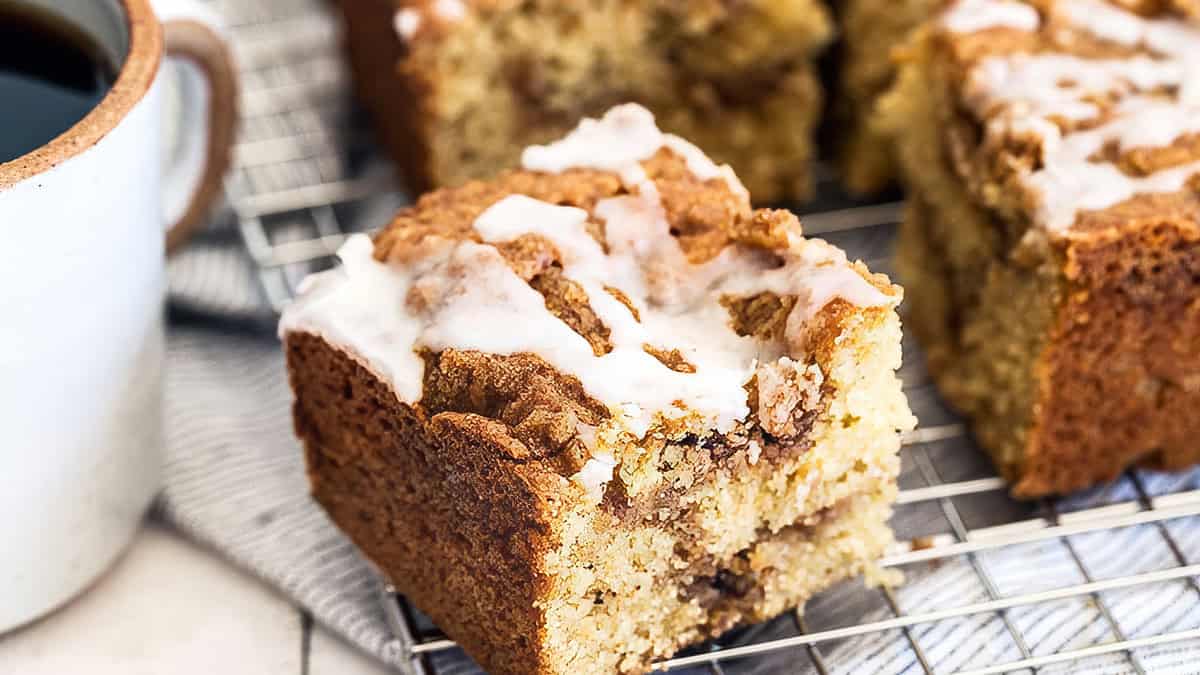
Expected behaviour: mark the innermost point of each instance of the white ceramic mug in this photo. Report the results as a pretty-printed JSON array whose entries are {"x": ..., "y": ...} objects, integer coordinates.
[{"x": 85, "y": 222}]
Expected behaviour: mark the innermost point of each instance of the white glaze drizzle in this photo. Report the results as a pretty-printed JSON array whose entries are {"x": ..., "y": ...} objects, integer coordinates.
[
  {"x": 970, "y": 16},
  {"x": 362, "y": 306},
  {"x": 407, "y": 22},
  {"x": 463, "y": 295},
  {"x": 1022, "y": 94},
  {"x": 624, "y": 136},
  {"x": 1071, "y": 182},
  {"x": 450, "y": 10},
  {"x": 1059, "y": 85},
  {"x": 596, "y": 473}
]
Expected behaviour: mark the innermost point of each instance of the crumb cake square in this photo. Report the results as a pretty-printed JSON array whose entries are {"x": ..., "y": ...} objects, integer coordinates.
[
  {"x": 1051, "y": 246},
  {"x": 599, "y": 408},
  {"x": 458, "y": 88}
]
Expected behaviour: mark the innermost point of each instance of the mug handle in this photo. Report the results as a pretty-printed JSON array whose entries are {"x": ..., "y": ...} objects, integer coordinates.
[{"x": 204, "y": 111}]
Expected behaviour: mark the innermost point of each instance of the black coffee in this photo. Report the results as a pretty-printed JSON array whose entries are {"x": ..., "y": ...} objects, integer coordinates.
[{"x": 51, "y": 76}]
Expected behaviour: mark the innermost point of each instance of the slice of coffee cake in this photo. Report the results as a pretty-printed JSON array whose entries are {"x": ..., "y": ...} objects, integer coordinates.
[
  {"x": 459, "y": 87},
  {"x": 599, "y": 408},
  {"x": 1052, "y": 243}
]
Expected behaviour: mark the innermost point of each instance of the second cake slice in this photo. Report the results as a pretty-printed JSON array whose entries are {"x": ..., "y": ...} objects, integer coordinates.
[
  {"x": 459, "y": 87},
  {"x": 1052, "y": 237},
  {"x": 599, "y": 408}
]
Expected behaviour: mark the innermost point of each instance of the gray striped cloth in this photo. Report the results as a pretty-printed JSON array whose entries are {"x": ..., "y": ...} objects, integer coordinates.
[{"x": 235, "y": 482}]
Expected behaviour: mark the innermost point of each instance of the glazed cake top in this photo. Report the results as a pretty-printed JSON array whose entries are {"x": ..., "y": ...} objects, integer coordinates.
[
  {"x": 1090, "y": 104},
  {"x": 617, "y": 256}
]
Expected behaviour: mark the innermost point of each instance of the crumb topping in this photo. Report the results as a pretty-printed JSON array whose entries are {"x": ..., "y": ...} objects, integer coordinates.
[
  {"x": 784, "y": 388},
  {"x": 1106, "y": 129},
  {"x": 626, "y": 136},
  {"x": 595, "y": 283}
]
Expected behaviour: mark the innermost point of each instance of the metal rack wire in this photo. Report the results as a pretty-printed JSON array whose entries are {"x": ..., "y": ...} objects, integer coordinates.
[{"x": 306, "y": 176}]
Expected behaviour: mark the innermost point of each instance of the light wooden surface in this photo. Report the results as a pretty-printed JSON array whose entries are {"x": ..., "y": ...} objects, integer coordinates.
[{"x": 171, "y": 607}]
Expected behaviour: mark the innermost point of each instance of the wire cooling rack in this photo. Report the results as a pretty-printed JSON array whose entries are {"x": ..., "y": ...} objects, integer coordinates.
[{"x": 306, "y": 175}]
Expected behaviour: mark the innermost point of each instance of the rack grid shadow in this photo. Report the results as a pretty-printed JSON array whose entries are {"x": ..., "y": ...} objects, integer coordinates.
[{"x": 994, "y": 586}]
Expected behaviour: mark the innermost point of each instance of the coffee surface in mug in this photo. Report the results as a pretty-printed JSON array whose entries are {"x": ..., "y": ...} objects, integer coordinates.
[{"x": 51, "y": 76}]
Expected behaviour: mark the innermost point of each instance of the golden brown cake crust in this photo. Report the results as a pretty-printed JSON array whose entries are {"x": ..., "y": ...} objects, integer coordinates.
[
  {"x": 453, "y": 518},
  {"x": 1120, "y": 381}
]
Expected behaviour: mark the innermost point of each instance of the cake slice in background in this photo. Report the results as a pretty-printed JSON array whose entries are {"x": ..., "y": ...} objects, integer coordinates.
[
  {"x": 458, "y": 87},
  {"x": 1051, "y": 246},
  {"x": 870, "y": 32},
  {"x": 599, "y": 408}
]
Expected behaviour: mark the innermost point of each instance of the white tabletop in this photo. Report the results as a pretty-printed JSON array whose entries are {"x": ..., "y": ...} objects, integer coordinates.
[{"x": 170, "y": 607}]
